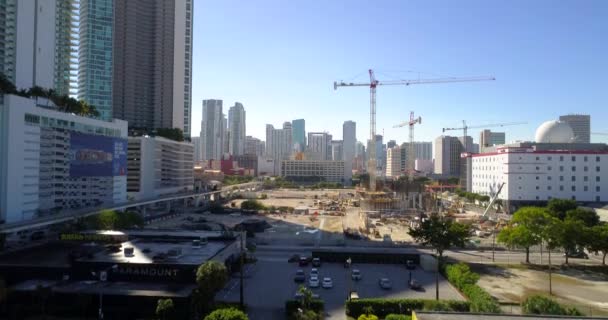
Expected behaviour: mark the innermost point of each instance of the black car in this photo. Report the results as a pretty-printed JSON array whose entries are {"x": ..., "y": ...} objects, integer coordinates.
[
  {"x": 576, "y": 254},
  {"x": 303, "y": 261},
  {"x": 300, "y": 276},
  {"x": 415, "y": 285},
  {"x": 316, "y": 262}
]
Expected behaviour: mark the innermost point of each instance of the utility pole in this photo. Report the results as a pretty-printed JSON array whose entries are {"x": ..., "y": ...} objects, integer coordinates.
[{"x": 242, "y": 258}]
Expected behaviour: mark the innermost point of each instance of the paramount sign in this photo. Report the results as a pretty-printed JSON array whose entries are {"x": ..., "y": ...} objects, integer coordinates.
[{"x": 145, "y": 271}]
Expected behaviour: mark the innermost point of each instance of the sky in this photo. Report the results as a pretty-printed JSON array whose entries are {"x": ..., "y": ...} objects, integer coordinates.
[{"x": 280, "y": 59}]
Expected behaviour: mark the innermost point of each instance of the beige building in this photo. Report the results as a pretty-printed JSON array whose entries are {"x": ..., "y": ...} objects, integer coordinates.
[{"x": 315, "y": 171}]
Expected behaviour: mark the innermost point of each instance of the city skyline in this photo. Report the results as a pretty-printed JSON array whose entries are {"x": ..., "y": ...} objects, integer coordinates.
[{"x": 470, "y": 48}]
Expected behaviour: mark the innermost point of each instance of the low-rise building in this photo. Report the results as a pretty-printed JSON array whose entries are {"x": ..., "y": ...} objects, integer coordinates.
[
  {"x": 53, "y": 161},
  {"x": 315, "y": 171},
  {"x": 159, "y": 166}
]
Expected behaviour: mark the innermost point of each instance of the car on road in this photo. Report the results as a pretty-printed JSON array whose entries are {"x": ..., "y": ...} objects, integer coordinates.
[
  {"x": 576, "y": 254},
  {"x": 303, "y": 261},
  {"x": 409, "y": 265},
  {"x": 314, "y": 272},
  {"x": 355, "y": 274},
  {"x": 300, "y": 276},
  {"x": 313, "y": 282},
  {"x": 385, "y": 283},
  {"x": 316, "y": 262},
  {"x": 327, "y": 283},
  {"x": 415, "y": 285},
  {"x": 294, "y": 258}
]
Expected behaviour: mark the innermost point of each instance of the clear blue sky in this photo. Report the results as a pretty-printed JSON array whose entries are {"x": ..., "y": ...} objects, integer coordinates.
[{"x": 280, "y": 58}]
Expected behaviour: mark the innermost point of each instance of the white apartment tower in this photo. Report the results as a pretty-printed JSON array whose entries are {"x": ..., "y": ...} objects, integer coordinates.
[
  {"x": 212, "y": 130},
  {"x": 447, "y": 155},
  {"x": 237, "y": 128}
]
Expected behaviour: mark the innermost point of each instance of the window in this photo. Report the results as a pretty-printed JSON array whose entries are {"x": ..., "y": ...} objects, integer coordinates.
[
  {"x": 597, "y": 189},
  {"x": 549, "y": 158},
  {"x": 597, "y": 159},
  {"x": 585, "y": 178},
  {"x": 537, "y": 177},
  {"x": 585, "y": 168},
  {"x": 561, "y": 178},
  {"x": 597, "y": 179},
  {"x": 574, "y": 198},
  {"x": 585, "y": 188},
  {"x": 573, "y": 188},
  {"x": 561, "y": 188},
  {"x": 549, "y": 188},
  {"x": 573, "y": 169},
  {"x": 537, "y": 168},
  {"x": 537, "y": 198},
  {"x": 537, "y": 158},
  {"x": 561, "y": 158},
  {"x": 597, "y": 198},
  {"x": 573, "y": 178},
  {"x": 561, "y": 168},
  {"x": 549, "y": 178},
  {"x": 549, "y": 168},
  {"x": 597, "y": 169},
  {"x": 573, "y": 158},
  {"x": 537, "y": 188},
  {"x": 585, "y": 158}
]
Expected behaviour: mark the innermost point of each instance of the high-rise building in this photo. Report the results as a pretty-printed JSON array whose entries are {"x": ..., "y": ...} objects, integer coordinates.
[
  {"x": 349, "y": 138},
  {"x": 299, "y": 134},
  {"x": 581, "y": 126},
  {"x": 237, "y": 128},
  {"x": 319, "y": 146},
  {"x": 278, "y": 144},
  {"x": 95, "y": 56},
  {"x": 196, "y": 143},
  {"x": 152, "y": 63},
  {"x": 337, "y": 150},
  {"x": 447, "y": 155},
  {"x": 380, "y": 155},
  {"x": 469, "y": 143},
  {"x": 35, "y": 43},
  {"x": 226, "y": 139},
  {"x": 394, "y": 162},
  {"x": 360, "y": 157},
  {"x": 212, "y": 130},
  {"x": 253, "y": 146},
  {"x": 391, "y": 144},
  {"x": 423, "y": 150},
  {"x": 487, "y": 138}
]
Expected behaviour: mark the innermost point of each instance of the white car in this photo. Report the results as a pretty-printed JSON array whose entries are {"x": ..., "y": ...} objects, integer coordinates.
[
  {"x": 327, "y": 283},
  {"x": 314, "y": 272},
  {"x": 356, "y": 274},
  {"x": 313, "y": 282}
]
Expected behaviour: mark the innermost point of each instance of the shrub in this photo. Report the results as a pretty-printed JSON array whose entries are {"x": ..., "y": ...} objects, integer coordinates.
[
  {"x": 227, "y": 314},
  {"x": 252, "y": 205},
  {"x": 393, "y": 316},
  {"x": 367, "y": 317},
  {"x": 461, "y": 276},
  {"x": 291, "y": 306},
  {"x": 542, "y": 305},
  {"x": 384, "y": 307}
]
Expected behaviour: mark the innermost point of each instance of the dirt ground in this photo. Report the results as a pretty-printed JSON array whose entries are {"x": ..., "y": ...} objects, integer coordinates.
[{"x": 585, "y": 290}]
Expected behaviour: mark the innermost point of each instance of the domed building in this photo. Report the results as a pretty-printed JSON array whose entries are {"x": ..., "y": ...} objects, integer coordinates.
[{"x": 554, "y": 132}]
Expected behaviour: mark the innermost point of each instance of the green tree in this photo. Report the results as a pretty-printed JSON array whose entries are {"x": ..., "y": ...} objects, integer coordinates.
[
  {"x": 598, "y": 240},
  {"x": 6, "y": 85},
  {"x": 165, "y": 309},
  {"x": 306, "y": 297},
  {"x": 252, "y": 205},
  {"x": 175, "y": 134},
  {"x": 211, "y": 277},
  {"x": 568, "y": 234},
  {"x": 441, "y": 234},
  {"x": 227, "y": 314},
  {"x": 588, "y": 217},
  {"x": 518, "y": 236},
  {"x": 526, "y": 229},
  {"x": 107, "y": 219},
  {"x": 559, "y": 207}
]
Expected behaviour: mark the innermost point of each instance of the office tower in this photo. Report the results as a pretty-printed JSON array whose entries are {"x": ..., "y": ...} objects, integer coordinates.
[
  {"x": 152, "y": 63},
  {"x": 196, "y": 142},
  {"x": 278, "y": 144},
  {"x": 487, "y": 138},
  {"x": 319, "y": 146},
  {"x": 469, "y": 143},
  {"x": 299, "y": 134},
  {"x": 395, "y": 164},
  {"x": 226, "y": 135},
  {"x": 95, "y": 56},
  {"x": 391, "y": 144},
  {"x": 253, "y": 146},
  {"x": 35, "y": 43},
  {"x": 447, "y": 155},
  {"x": 423, "y": 150},
  {"x": 237, "y": 128},
  {"x": 581, "y": 126},
  {"x": 349, "y": 138},
  {"x": 380, "y": 154},
  {"x": 360, "y": 149},
  {"x": 212, "y": 130},
  {"x": 337, "y": 150}
]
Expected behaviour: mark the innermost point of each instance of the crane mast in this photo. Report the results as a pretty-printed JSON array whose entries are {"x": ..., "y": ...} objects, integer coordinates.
[{"x": 373, "y": 83}]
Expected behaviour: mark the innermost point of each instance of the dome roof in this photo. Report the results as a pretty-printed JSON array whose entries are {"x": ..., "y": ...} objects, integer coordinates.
[{"x": 554, "y": 132}]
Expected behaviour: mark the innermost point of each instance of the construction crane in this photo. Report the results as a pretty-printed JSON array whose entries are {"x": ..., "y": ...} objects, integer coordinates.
[
  {"x": 410, "y": 147},
  {"x": 372, "y": 84},
  {"x": 464, "y": 129}
]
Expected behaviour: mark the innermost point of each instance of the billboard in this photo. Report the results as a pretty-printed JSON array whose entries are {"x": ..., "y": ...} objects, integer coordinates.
[{"x": 97, "y": 156}]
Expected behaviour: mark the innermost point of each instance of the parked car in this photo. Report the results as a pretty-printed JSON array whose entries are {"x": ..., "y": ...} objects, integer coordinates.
[
  {"x": 313, "y": 282},
  {"x": 316, "y": 262},
  {"x": 415, "y": 285},
  {"x": 356, "y": 274},
  {"x": 576, "y": 254},
  {"x": 385, "y": 283},
  {"x": 300, "y": 276},
  {"x": 409, "y": 265},
  {"x": 314, "y": 272},
  {"x": 303, "y": 261},
  {"x": 294, "y": 258},
  {"x": 327, "y": 283}
]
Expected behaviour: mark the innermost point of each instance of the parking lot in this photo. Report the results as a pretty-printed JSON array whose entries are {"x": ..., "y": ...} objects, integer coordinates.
[{"x": 270, "y": 282}]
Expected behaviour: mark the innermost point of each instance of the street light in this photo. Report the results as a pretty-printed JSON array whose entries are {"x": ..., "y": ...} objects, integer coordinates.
[
  {"x": 103, "y": 277},
  {"x": 349, "y": 262}
]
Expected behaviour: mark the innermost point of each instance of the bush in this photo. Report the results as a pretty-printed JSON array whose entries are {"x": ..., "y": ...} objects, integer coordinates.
[
  {"x": 393, "y": 316},
  {"x": 164, "y": 309},
  {"x": 384, "y": 307},
  {"x": 252, "y": 205},
  {"x": 367, "y": 317},
  {"x": 542, "y": 305},
  {"x": 291, "y": 306},
  {"x": 461, "y": 276},
  {"x": 227, "y": 314}
]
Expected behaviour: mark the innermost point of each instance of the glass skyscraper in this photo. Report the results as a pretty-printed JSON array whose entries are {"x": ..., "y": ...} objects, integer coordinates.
[
  {"x": 299, "y": 134},
  {"x": 95, "y": 55}
]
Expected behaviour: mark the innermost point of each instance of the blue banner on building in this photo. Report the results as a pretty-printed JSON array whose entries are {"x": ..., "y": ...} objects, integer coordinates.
[{"x": 97, "y": 156}]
